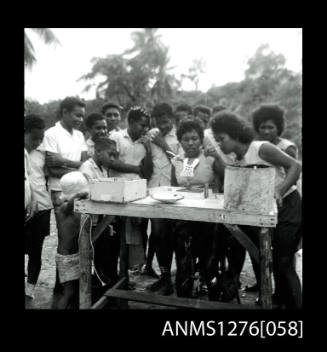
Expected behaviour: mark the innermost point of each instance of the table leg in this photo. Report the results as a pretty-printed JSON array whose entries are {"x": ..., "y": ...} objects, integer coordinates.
[
  {"x": 265, "y": 268},
  {"x": 85, "y": 257}
]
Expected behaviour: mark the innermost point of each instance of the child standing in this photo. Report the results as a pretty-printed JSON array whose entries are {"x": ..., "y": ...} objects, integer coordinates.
[
  {"x": 74, "y": 186},
  {"x": 106, "y": 247}
]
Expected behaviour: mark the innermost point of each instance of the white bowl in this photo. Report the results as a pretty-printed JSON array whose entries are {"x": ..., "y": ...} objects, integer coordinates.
[{"x": 167, "y": 197}]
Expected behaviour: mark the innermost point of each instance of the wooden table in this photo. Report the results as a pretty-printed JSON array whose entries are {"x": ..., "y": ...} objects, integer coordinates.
[{"x": 194, "y": 208}]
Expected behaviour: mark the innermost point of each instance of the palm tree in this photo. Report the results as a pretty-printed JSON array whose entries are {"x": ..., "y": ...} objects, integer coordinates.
[{"x": 29, "y": 53}]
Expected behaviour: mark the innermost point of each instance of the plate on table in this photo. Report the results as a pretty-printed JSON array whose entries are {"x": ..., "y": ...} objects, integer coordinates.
[{"x": 167, "y": 197}]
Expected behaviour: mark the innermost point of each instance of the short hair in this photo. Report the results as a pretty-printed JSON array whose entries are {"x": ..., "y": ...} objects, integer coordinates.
[
  {"x": 69, "y": 104},
  {"x": 218, "y": 108},
  {"x": 33, "y": 121},
  {"x": 267, "y": 112},
  {"x": 202, "y": 108},
  {"x": 135, "y": 114},
  {"x": 110, "y": 104},
  {"x": 233, "y": 125},
  {"x": 184, "y": 107},
  {"x": 162, "y": 109},
  {"x": 92, "y": 118},
  {"x": 188, "y": 126},
  {"x": 103, "y": 143}
]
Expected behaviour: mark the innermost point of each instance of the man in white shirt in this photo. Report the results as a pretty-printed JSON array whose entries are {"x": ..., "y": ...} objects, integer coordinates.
[
  {"x": 65, "y": 147},
  {"x": 38, "y": 224}
]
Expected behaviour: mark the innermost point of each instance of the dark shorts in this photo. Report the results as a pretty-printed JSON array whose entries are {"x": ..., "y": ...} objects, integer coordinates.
[
  {"x": 286, "y": 235},
  {"x": 37, "y": 228}
]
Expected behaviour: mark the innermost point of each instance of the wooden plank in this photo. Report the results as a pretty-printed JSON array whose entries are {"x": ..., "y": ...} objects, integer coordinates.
[
  {"x": 265, "y": 268},
  {"x": 104, "y": 299},
  {"x": 85, "y": 257},
  {"x": 244, "y": 240},
  {"x": 123, "y": 254},
  {"x": 195, "y": 210},
  {"x": 188, "y": 303}
]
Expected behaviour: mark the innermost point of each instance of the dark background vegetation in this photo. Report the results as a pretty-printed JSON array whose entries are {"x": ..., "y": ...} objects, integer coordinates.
[{"x": 141, "y": 76}]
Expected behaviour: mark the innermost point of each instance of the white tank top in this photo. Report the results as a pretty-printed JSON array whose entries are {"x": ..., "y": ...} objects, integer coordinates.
[{"x": 252, "y": 157}]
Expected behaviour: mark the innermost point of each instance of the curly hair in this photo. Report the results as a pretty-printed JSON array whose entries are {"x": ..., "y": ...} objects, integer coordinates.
[
  {"x": 266, "y": 112},
  {"x": 233, "y": 125},
  {"x": 202, "y": 108},
  {"x": 135, "y": 114},
  {"x": 188, "y": 126},
  {"x": 92, "y": 118}
]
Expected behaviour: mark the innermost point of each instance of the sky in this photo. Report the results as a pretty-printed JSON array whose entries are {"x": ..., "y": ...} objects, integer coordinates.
[{"x": 225, "y": 52}]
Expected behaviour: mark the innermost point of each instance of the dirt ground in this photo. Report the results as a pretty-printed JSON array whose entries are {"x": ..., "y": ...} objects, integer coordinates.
[{"x": 44, "y": 287}]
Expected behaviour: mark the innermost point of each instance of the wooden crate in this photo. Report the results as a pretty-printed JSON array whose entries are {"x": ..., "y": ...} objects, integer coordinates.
[
  {"x": 249, "y": 189},
  {"x": 117, "y": 189}
]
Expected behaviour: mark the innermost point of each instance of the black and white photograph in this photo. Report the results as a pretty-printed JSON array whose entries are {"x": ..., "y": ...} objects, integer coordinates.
[{"x": 163, "y": 171}]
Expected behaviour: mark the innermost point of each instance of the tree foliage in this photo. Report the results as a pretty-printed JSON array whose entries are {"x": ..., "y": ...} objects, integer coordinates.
[
  {"x": 140, "y": 75},
  {"x": 29, "y": 52},
  {"x": 194, "y": 72}
]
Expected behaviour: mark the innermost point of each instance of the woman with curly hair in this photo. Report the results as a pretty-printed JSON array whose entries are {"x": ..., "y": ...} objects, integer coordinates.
[{"x": 234, "y": 135}]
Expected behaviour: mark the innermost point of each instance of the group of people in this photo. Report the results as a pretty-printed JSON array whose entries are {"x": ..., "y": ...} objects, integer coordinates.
[{"x": 182, "y": 147}]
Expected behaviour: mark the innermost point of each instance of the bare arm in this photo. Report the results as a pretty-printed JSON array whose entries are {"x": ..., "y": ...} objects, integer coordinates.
[
  {"x": 69, "y": 206},
  {"x": 276, "y": 157},
  {"x": 161, "y": 143},
  {"x": 59, "y": 171},
  {"x": 219, "y": 164},
  {"x": 120, "y": 166},
  {"x": 56, "y": 160},
  {"x": 32, "y": 208},
  {"x": 146, "y": 167}
]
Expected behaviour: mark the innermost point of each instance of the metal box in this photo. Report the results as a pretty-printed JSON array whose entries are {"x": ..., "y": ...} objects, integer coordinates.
[
  {"x": 117, "y": 189},
  {"x": 249, "y": 189}
]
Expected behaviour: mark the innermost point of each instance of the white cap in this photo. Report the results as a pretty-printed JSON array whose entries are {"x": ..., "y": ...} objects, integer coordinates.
[{"x": 72, "y": 183}]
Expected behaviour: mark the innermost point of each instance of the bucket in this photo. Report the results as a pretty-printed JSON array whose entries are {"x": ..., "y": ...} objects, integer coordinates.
[{"x": 249, "y": 188}]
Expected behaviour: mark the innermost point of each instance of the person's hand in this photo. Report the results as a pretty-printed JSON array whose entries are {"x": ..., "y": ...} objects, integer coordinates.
[
  {"x": 159, "y": 141},
  {"x": 31, "y": 209},
  {"x": 153, "y": 133},
  {"x": 81, "y": 195},
  {"x": 278, "y": 197},
  {"x": 53, "y": 160},
  {"x": 145, "y": 140},
  {"x": 209, "y": 150}
]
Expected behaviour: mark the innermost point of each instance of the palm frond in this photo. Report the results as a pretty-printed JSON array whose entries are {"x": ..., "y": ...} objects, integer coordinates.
[
  {"x": 46, "y": 35},
  {"x": 29, "y": 57}
]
